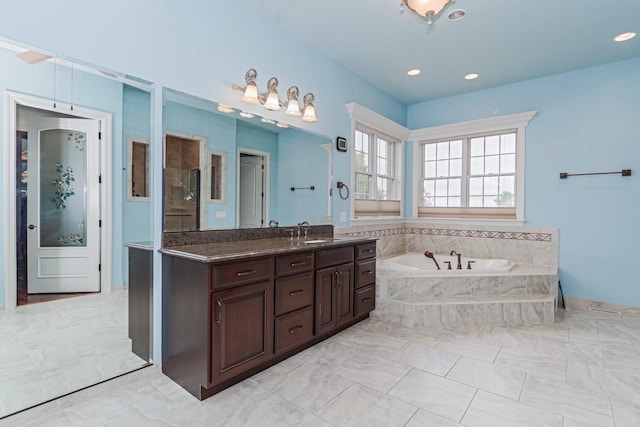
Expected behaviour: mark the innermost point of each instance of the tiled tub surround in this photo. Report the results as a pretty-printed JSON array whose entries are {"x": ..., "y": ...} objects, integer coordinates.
[{"x": 525, "y": 295}]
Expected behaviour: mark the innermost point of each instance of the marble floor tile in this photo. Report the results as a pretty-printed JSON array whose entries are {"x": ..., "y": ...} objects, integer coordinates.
[
  {"x": 477, "y": 348},
  {"x": 441, "y": 396},
  {"x": 626, "y": 414},
  {"x": 363, "y": 406},
  {"x": 424, "y": 418},
  {"x": 583, "y": 352},
  {"x": 567, "y": 400},
  {"x": 486, "y": 376},
  {"x": 312, "y": 387},
  {"x": 490, "y": 410},
  {"x": 617, "y": 383},
  {"x": 372, "y": 371},
  {"x": 361, "y": 377},
  {"x": 426, "y": 358},
  {"x": 532, "y": 363}
]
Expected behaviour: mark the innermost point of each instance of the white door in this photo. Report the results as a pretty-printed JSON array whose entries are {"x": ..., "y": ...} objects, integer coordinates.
[
  {"x": 251, "y": 192},
  {"x": 63, "y": 205}
]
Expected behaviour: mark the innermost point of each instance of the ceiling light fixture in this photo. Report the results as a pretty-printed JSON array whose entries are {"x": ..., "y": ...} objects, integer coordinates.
[
  {"x": 624, "y": 37},
  {"x": 271, "y": 101},
  {"x": 428, "y": 9},
  {"x": 472, "y": 76},
  {"x": 413, "y": 72}
]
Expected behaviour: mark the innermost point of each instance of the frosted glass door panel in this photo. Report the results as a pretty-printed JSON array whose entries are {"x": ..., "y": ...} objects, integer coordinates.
[{"x": 63, "y": 181}]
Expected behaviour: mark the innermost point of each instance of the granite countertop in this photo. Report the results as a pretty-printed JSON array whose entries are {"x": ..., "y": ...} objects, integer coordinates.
[
  {"x": 145, "y": 246},
  {"x": 227, "y": 251}
]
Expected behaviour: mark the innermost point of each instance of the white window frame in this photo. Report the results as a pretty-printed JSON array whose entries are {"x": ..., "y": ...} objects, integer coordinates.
[
  {"x": 368, "y": 120},
  {"x": 373, "y": 172},
  {"x": 500, "y": 124}
]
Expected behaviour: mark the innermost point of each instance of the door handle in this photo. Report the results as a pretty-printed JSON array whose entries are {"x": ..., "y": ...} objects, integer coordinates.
[{"x": 31, "y": 226}]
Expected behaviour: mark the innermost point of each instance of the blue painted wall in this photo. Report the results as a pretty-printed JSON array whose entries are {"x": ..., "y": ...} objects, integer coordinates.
[
  {"x": 302, "y": 162},
  {"x": 587, "y": 121},
  {"x": 136, "y": 123}
]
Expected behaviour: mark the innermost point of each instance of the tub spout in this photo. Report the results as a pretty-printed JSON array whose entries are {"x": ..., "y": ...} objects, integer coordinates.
[
  {"x": 429, "y": 254},
  {"x": 459, "y": 266}
]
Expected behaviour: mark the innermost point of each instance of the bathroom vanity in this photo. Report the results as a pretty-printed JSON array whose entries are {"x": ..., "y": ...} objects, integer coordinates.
[{"x": 232, "y": 309}]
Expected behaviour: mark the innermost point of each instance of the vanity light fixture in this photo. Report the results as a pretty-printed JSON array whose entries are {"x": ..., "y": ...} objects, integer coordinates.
[
  {"x": 271, "y": 101},
  {"x": 428, "y": 9},
  {"x": 246, "y": 115},
  {"x": 225, "y": 108}
]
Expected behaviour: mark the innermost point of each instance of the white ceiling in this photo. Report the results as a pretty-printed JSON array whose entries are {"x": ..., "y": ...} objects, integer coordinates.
[{"x": 505, "y": 41}]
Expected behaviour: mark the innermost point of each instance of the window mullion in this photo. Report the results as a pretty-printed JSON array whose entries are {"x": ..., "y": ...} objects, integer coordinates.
[{"x": 466, "y": 159}]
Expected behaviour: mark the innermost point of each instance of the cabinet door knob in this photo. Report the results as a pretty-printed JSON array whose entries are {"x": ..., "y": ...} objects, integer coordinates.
[{"x": 296, "y": 329}]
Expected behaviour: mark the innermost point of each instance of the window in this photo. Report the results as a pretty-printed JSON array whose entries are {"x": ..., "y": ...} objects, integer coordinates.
[
  {"x": 375, "y": 173},
  {"x": 488, "y": 161},
  {"x": 472, "y": 169}
]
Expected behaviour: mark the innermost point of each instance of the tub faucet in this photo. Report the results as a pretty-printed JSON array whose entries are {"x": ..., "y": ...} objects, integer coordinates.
[
  {"x": 273, "y": 224},
  {"x": 306, "y": 226},
  {"x": 459, "y": 266}
]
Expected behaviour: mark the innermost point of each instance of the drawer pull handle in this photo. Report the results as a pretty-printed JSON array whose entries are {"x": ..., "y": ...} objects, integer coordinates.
[
  {"x": 296, "y": 329},
  {"x": 296, "y": 292},
  {"x": 219, "y": 317},
  {"x": 366, "y": 299},
  {"x": 296, "y": 264},
  {"x": 245, "y": 273},
  {"x": 366, "y": 273},
  {"x": 367, "y": 251}
]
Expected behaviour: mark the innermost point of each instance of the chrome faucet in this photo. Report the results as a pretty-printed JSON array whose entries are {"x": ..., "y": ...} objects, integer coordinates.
[
  {"x": 273, "y": 224},
  {"x": 459, "y": 266},
  {"x": 306, "y": 226}
]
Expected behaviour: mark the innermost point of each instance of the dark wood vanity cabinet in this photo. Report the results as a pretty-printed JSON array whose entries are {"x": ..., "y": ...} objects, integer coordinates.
[
  {"x": 334, "y": 288},
  {"x": 225, "y": 321},
  {"x": 242, "y": 330},
  {"x": 293, "y": 300},
  {"x": 365, "y": 270}
]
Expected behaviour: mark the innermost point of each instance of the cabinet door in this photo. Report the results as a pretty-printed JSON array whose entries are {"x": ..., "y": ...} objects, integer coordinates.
[
  {"x": 325, "y": 296},
  {"x": 344, "y": 293},
  {"x": 242, "y": 329}
]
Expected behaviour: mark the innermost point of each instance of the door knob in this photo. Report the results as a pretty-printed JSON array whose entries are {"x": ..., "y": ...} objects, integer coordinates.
[{"x": 31, "y": 226}]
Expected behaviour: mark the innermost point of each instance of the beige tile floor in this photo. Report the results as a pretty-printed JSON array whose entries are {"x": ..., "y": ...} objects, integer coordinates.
[{"x": 582, "y": 371}]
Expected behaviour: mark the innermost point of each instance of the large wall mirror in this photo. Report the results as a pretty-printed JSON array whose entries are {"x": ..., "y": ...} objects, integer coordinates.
[
  {"x": 225, "y": 168},
  {"x": 76, "y": 169}
]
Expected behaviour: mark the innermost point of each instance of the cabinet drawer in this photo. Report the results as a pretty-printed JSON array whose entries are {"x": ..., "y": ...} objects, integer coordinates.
[
  {"x": 365, "y": 300},
  {"x": 365, "y": 273},
  {"x": 366, "y": 250},
  {"x": 238, "y": 273},
  {"x": 329, "y": 257},
  {"x": 293, "y": 292},
  {"x": 293, "y": 328},
  {"x": 294, "y": 263}
]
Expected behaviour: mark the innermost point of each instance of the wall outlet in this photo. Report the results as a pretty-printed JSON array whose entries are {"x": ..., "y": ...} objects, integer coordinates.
[
  {"x": 221, "y": 214},
  {"x": 343, "y": 217}
]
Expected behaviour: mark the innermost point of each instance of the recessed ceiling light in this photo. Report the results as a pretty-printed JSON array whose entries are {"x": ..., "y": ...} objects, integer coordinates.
[
  {"x": 246, "y": 115},
  {"x": 472, "y": 76},
  {"x": 624, "y": 37},
  {"x": 456, "y": 15},
  {"x": 224, "y": 108},
  {"x": 413, "y": 72}
]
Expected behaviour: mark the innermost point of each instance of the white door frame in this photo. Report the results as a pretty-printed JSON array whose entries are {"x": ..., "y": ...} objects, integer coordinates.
[
  {"x": 267, "y": 162},
  {"x": 12, "y": 100}
]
